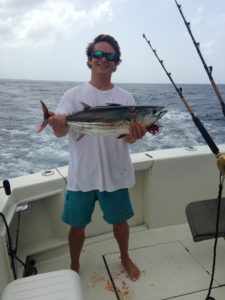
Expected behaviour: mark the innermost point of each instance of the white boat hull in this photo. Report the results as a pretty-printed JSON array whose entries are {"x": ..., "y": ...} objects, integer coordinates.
[{"x": 166, "y": 181}]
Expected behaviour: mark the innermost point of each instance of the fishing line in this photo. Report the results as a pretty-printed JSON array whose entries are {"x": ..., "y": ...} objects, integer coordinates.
[
  {"x": 111, "y": 278},
  {"x": 208, "y": 297},
  {"x": 220, "y": 157},
  {"x": 29, "y": 268},
  {"x": 64, "y": 179},
  {"x": 207, "y": 69},
  {"x": 10, "y": 248}
]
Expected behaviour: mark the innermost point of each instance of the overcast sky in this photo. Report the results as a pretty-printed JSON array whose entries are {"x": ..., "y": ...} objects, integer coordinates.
[{"x": 46, "y": 39}]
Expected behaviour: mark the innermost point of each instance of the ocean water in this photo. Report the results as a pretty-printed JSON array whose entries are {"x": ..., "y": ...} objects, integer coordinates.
[{"x": 24, "y": 151}]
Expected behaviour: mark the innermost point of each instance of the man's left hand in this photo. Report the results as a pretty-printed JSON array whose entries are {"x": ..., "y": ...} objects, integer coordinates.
[{"x": 137, "y": 131}]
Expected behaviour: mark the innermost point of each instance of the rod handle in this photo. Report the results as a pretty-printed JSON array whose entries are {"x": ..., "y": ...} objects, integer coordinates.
[
  {"x": 221, "y": 163},
  {"x": 205, "y": 135}
]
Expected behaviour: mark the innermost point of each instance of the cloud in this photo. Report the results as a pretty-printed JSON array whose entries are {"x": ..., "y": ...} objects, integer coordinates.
[
  {"x": 208, "y": 47},
  {"x": 218, "y": 23},
  {"x": 199, "y": 15},
  {"x": 208, "y": 29},
  {"x": 42, "y": 22}
]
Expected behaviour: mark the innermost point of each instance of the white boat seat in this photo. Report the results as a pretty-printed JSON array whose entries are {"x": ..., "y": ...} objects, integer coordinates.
[
  {"x": 57, "y": 285},
  {"x": 201, "y": 217}
]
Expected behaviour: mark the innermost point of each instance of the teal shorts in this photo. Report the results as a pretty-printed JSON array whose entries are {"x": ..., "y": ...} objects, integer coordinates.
[{"x": 79, "y": 206}]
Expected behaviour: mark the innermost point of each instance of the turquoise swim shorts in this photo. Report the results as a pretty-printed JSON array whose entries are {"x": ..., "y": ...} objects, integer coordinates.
[{"x": 79, "y": 206}]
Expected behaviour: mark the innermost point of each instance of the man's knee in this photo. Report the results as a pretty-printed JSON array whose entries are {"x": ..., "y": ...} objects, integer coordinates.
[
  {"x": 120, "y": 227},
  {"x": 77, "y": 230}
]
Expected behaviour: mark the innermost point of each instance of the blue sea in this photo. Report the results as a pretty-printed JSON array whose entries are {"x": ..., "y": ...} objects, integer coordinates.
[{"x": 24, "y": 151}]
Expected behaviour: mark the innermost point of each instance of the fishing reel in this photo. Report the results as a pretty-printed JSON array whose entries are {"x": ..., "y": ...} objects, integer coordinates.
[{"x": 221, "y": 163}]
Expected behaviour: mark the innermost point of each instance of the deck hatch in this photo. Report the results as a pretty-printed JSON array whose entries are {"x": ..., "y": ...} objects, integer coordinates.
[{"x": 168, "y": 271}]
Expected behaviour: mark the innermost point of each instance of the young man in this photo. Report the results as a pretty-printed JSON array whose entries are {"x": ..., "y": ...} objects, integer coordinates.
[{"x": 99, "y": 167}]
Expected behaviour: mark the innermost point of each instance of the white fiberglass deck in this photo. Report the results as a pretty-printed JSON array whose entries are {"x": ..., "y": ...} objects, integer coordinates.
[{"x": 172, "y": 266}]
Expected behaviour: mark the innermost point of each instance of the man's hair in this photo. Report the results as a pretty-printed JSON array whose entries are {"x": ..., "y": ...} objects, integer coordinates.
[{"x": 104, "y": 38}]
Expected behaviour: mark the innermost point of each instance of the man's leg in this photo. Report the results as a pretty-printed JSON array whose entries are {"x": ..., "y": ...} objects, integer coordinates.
[
  {"x": 76, "y": 241},
  {"x": 121, "y": 233},
  {"x": 77, "y": 213}
]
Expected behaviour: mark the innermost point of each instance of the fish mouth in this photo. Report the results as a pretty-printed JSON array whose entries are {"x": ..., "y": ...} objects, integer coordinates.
[{"x": 162, "y": 113}]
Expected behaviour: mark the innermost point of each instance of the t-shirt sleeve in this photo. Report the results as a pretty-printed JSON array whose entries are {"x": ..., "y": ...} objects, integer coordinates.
[
  {"x": 66, "y": 104},
  {"x": 128, "y": 98}
]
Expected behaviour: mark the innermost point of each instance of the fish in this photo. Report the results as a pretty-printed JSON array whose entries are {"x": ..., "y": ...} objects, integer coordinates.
[{"x": 111, "y": 119}]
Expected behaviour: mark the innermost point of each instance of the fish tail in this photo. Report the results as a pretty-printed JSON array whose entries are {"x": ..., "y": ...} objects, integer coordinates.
[{"x": 46, "y": 116}]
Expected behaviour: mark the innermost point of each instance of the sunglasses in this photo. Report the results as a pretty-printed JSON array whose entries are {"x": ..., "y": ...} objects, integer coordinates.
[{"x": 99, "y": 54}]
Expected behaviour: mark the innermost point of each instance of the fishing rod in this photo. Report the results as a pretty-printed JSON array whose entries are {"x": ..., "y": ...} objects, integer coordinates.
[
  {"x": 196, "y": 120},
  {"x": 220, "y": 160},
  {"x": 207, "y": 69}
]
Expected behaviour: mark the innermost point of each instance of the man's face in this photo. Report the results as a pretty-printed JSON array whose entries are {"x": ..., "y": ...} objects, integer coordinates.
[{"x": 102, "y": 65}]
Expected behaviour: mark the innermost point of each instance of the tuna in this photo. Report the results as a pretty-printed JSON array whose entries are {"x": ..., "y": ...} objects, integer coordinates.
[{"x": 112, "y": 119}]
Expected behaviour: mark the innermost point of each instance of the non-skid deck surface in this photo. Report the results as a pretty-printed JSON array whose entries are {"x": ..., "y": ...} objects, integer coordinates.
[
  {"x": 168, "y": 271},
  {"x": 172, "y": 267}
]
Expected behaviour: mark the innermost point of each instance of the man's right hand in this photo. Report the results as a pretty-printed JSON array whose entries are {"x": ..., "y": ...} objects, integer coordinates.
[{"x": 58, "y": 124}]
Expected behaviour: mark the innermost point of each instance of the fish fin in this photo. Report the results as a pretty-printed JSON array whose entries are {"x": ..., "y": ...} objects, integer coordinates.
[
  {"x": 46, "y": 116},
  {"x": 85, "y": 105},
  {"x": 80, "y": 137},
  {"x": 113, "y": 104},
  {"x": 121, "y": 136}
]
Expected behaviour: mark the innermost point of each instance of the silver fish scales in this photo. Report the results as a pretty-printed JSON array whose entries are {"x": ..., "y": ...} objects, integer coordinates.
[{"x": 112, "y": 119}]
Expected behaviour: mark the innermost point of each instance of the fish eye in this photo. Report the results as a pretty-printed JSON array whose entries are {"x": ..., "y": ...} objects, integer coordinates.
[{"x": 154, "y": 111}]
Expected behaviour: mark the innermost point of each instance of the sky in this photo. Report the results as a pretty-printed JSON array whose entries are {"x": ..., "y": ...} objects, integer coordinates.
[{"x": 46, "y": 39}]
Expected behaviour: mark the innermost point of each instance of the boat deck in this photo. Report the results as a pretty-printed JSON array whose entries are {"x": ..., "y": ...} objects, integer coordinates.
[{"x": 172, "y": 266}]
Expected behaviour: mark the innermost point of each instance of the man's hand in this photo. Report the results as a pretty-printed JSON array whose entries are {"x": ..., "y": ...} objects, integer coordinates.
[
  {"x": 137, "y": 131},
  {"x": 58, "y": 124}
]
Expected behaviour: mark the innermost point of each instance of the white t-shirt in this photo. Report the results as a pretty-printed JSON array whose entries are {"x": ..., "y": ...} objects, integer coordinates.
[{"x": 97, "y": 162}]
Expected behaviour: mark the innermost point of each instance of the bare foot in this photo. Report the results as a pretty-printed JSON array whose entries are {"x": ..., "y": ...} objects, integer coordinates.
[{"x": 132, "y": 270}]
